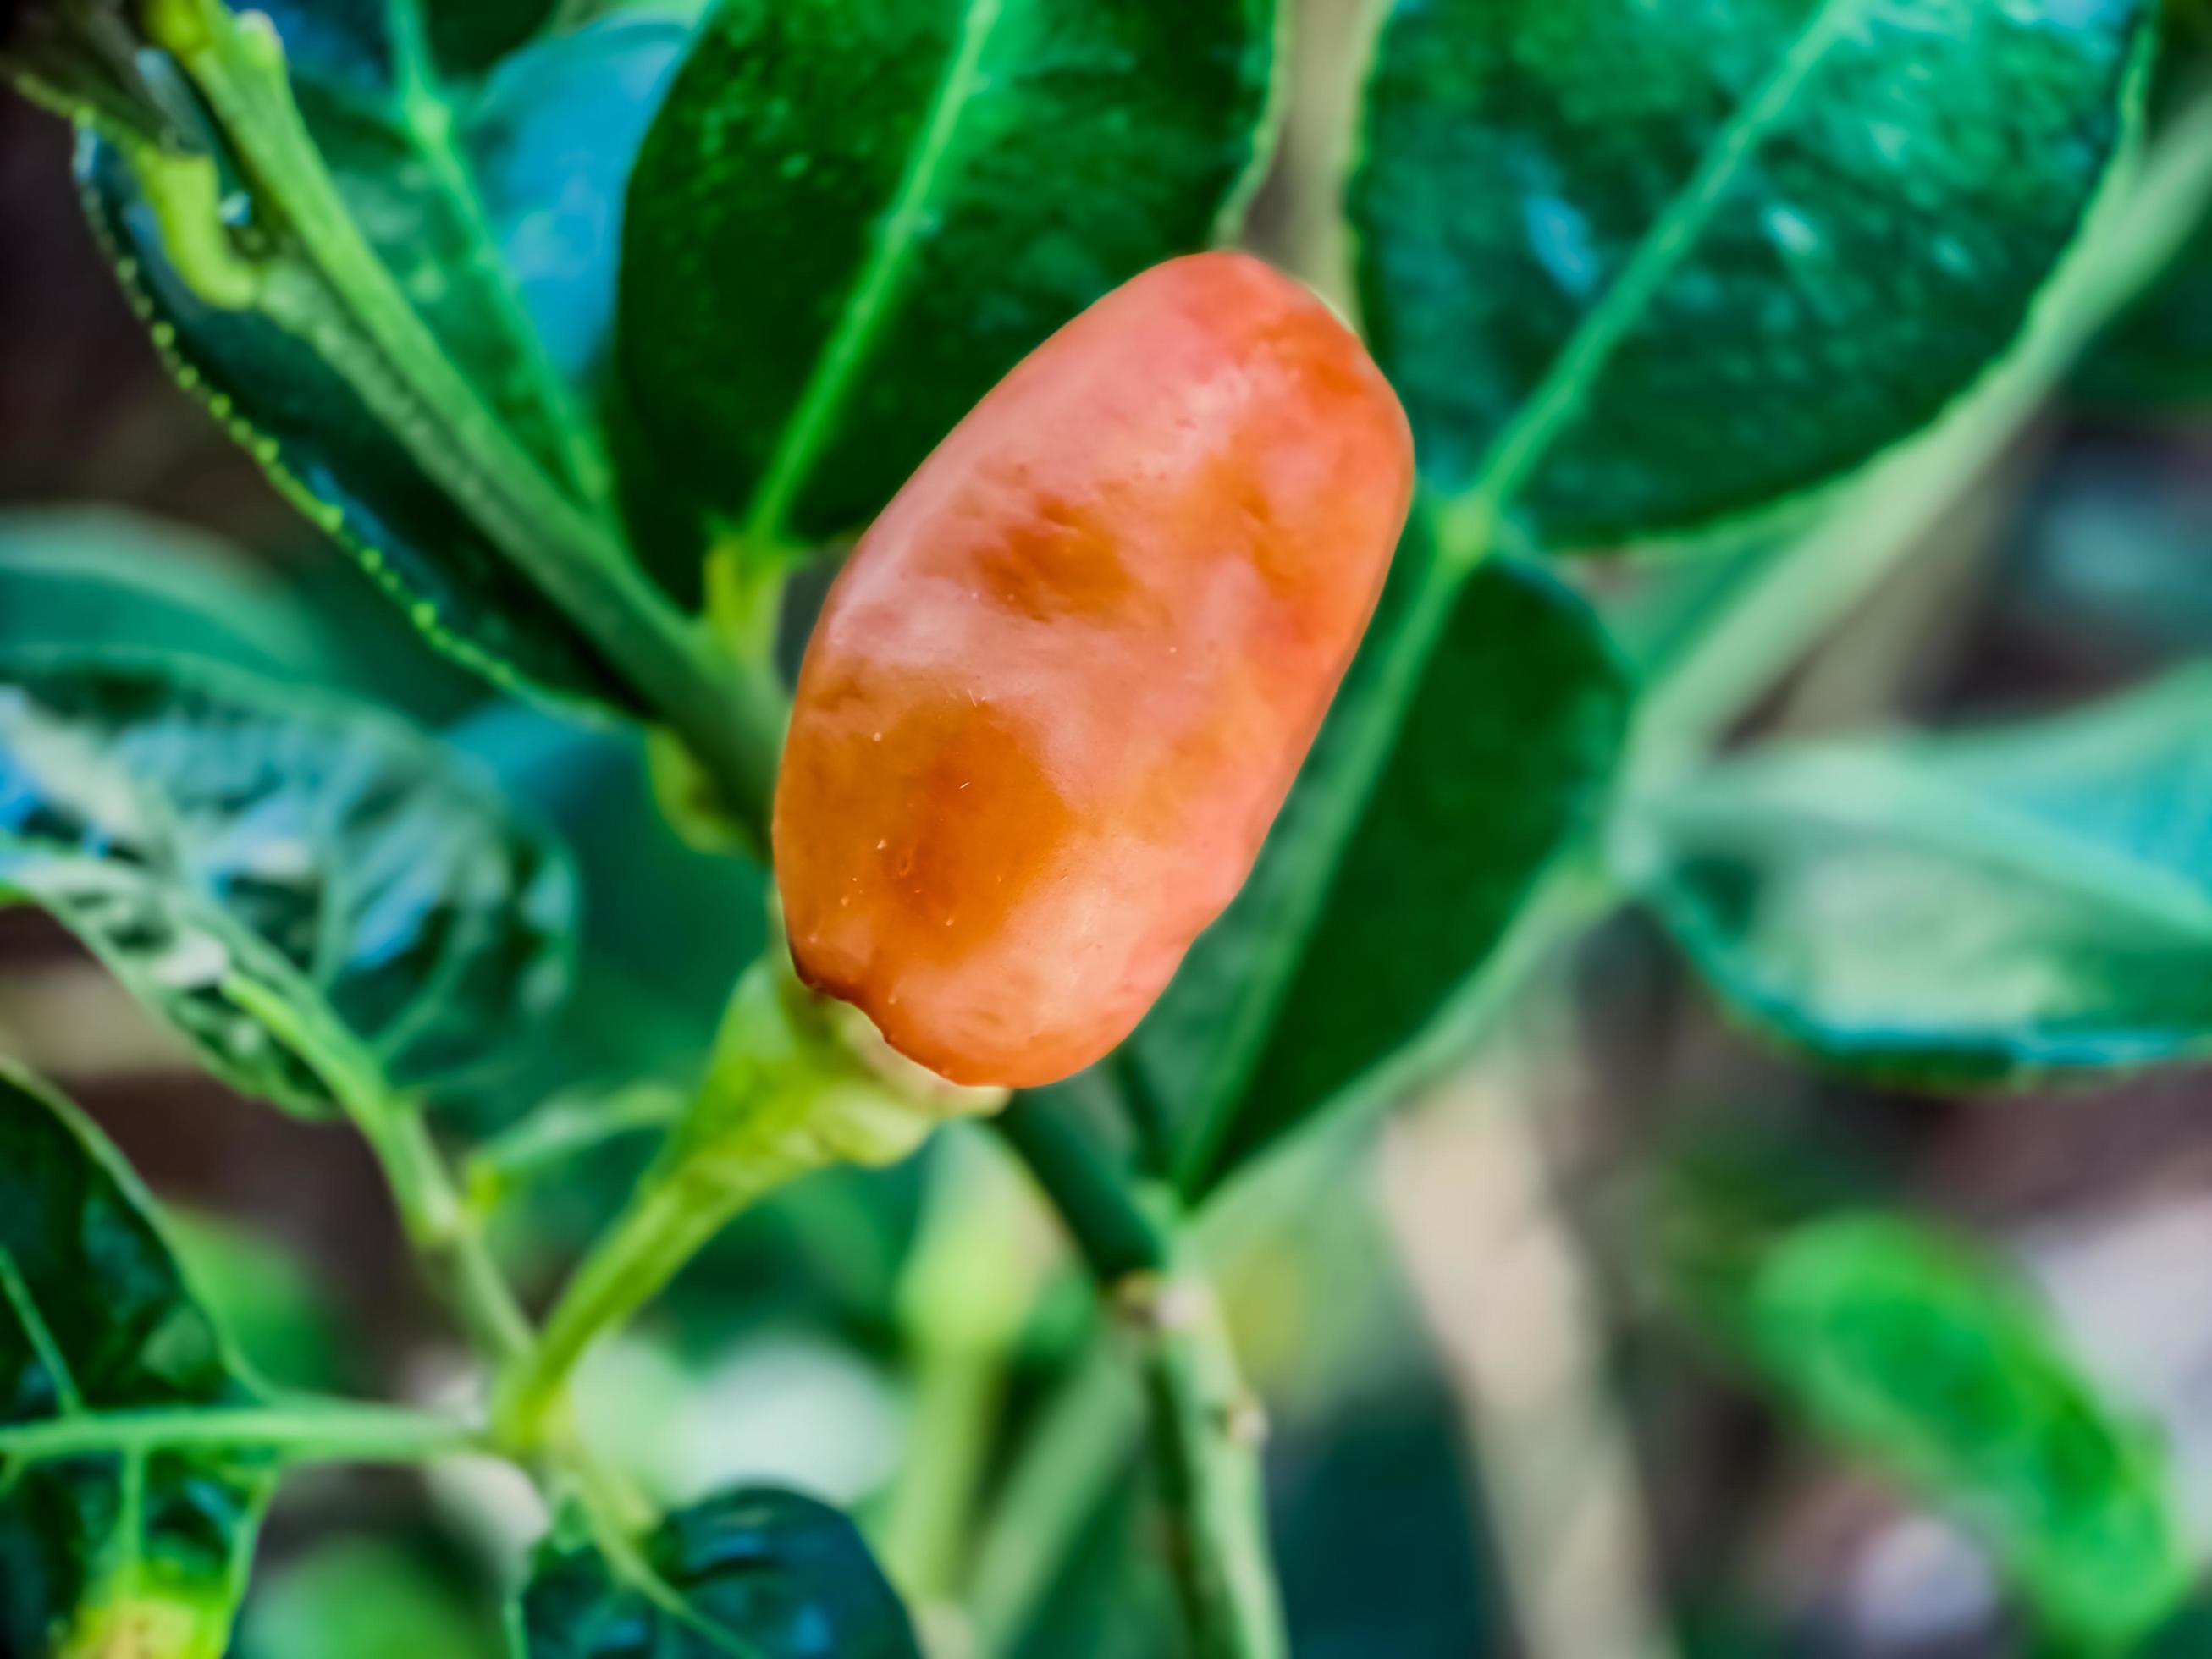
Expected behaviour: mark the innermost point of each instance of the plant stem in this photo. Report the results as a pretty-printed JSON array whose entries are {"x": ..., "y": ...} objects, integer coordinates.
[
  {"x": 1112, "y": 1231},
  {"x": 1206, "y": 1427},
  {"x": 305, "y": 1431},
  {"x": 338, "y": 296},
  {"x": 1207, "y": 1431},
  {"x": 445, "y": 1235},
  {"x": 970, "y": 1285},
  {"x": 449, "y": 1240},
  {"x": 785, "y": 1094},
  {"x": 666, "y": 1224}
]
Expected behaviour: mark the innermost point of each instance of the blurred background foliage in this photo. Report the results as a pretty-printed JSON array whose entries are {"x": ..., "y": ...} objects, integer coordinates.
[{"x": 1480, "y": 1272}]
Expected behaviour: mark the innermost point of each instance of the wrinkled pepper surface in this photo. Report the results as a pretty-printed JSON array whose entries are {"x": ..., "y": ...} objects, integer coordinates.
[{"x": 1058, "y": 693}]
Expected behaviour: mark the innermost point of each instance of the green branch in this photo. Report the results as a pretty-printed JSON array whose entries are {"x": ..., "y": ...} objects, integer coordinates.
[{"x": 303, "y": 1431}]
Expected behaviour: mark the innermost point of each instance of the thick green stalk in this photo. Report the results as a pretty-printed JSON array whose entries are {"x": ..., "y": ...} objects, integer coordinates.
[
  {"x": 1206, "y": 1427},
  {"x": 1207, "y": 1431},
  {"x": 785, "y": 1095}
]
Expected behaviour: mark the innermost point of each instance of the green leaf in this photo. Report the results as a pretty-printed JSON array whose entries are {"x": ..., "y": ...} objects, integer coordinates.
[
  {"x": 201, "y": 831},
  {"x": 1963, "y": 911},
  {"x": 133, "y": 1552},
  {"x": 277, "y": 1311},
  {"x": 1918, "y": 1353},
  {"x": 853, "y": 217},
  {"x": 1501, "y": 757},
  {"x": 1638, "y": 268},
  {"x": 652, "y": 978},
  {"x": 751, "y": 1574},
  {"x": 103, "y": 580},
  {"x": 495, "y": 199}
]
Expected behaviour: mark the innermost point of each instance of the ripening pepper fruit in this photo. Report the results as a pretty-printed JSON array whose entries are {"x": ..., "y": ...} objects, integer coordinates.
[{"x": 1060, "y": 689}]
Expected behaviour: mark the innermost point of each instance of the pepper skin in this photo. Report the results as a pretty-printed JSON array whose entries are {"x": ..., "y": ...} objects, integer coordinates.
[{"x": 1060, "y": 689}]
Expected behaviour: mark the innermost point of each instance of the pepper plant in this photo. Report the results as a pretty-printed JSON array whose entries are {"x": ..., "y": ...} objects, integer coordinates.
[{"x": 596, "y": 331}]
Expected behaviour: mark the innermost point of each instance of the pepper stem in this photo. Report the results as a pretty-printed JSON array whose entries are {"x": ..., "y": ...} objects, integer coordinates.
[{"x": 795, "y": 1084}]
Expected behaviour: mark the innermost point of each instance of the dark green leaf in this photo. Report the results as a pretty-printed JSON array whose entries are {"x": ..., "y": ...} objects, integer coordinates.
[
  {"x": 495, "y": 201},
  {"x": 1913, "y": 1351},
  {"x": 853, "y": 217},
  {"x": 81, "y": 56},
  {"x": 665, "y": 929},
  {"x": 196, "y": 828},
  {"x": 123, "y": 1552},
  {"x": 1638, "y": 268},
  {"x": 753, "y": 1574},
  {"x": 2158, "y": 353},
  {"x": 1498, "y": 758},
  {"x": 1965, "y": 910}
]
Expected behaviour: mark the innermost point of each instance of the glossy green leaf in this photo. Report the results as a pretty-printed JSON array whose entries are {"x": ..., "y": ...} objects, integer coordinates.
[
  {"x": 1912, "y": 1351},
  {"x": 199, "y": 829},
  {"x": 1638, "y": 268},
  {"x": 1963, "y": 911},
  {"x": 495, "y": 198},
  {"x": 752, "y": 1574},
  {"x": 1496, "y": 761},
  {"x": 853, "y": 217},
  {"x": 125, "y": 1553}
]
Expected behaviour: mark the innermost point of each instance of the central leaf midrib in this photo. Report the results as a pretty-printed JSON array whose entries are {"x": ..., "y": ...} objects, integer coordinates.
[
  {"x": 869, "y": 299},
  {"x": 575, "y": 443},
  {"x": 1993, "y": 835},
  {"x": 1467, "y": 529}
]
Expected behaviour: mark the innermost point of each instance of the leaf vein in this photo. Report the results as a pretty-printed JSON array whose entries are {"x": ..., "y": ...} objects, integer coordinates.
[
  {"x": 869, "y": 302},
  {"x": 17, "y": 1291}
]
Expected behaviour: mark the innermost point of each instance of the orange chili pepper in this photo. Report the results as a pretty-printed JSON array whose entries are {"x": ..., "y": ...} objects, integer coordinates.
[{"x": 1060, "y": 690}]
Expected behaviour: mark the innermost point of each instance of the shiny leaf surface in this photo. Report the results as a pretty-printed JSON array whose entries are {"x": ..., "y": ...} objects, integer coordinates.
[
  {"x": 758, "y": 1572},
  {"x": 963, "y": 175},
  {"x": 1963, "y": 910},
  {"x": 195, "y": 827},
  {"x": 495, "y": 199},
  {"x": 1639, "y": 268},
  {"x": 127, "y": 1553}
]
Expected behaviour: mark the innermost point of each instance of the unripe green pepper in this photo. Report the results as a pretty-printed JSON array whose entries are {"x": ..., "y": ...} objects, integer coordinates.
[{"x": 1059, "y": 692}]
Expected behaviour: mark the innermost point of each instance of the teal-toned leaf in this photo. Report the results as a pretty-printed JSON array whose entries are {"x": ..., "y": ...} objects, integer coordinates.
[
  {"x": 666, "y": 930},
  {"x": 1496, "y": 761},
  {"x": 106, "y": 1554},
  {"x": 753, "y": 1574},
  {"x": 199, "y": 829},
  {"x": 495, "y": 198},
  {"x": 1913, "y": 1351},
  {"x": 104, "y": 580},
  {"x": 853, "y": 217},
  {"x": 1639, "y": 268},
  {"x": 1963, "y": 911}
]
